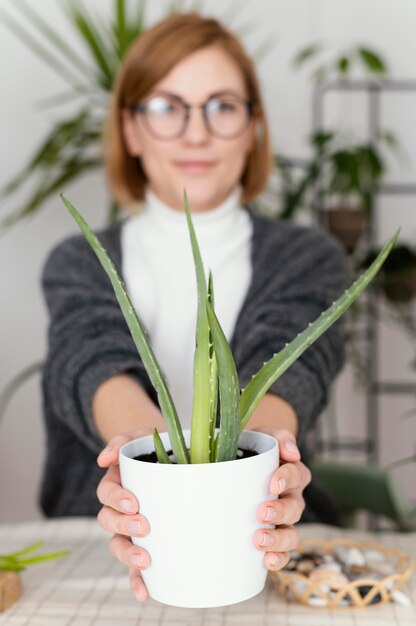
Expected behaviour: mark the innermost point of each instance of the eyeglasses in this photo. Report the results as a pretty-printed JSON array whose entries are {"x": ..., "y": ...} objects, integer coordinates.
[{"x": 166, "y": 116}]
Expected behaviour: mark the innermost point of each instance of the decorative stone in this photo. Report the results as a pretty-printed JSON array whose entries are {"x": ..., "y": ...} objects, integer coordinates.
[
  {"x": 355, "y": 557},
  {"x": 400, "y": 598},
  {"x": 317, "y": 601}
]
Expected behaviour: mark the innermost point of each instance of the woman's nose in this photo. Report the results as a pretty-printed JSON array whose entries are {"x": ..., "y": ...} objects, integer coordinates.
[{"x": 196, "y": 130}]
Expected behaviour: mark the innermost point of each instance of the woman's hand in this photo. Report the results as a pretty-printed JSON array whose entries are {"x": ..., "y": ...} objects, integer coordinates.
[
  {"x": 288, "y": 482},
  {"x": 120, "y": 513}
]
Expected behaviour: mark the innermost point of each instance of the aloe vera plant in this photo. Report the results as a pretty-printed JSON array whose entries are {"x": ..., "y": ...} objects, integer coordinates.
[
  {"x": 215, "y": 371},
  {"x": 17, "y": 561}
]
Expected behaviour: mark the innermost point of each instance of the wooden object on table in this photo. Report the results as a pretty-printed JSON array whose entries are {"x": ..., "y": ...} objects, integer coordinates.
[{"x": 10, "y": 589}]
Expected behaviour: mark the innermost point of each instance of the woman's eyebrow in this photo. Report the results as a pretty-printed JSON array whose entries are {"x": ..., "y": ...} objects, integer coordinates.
[{"x": 214, "y": 94}]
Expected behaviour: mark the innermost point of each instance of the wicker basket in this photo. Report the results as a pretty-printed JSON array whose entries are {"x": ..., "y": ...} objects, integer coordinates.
[{"x": 379, "y": 590}]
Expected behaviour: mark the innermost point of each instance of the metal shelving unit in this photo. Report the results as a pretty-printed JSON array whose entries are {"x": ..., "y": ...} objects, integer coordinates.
[{"x": 375, "y": 387}]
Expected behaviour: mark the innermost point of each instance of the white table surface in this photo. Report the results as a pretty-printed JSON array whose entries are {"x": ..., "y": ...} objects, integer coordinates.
[{"x": 90, "y": 588}]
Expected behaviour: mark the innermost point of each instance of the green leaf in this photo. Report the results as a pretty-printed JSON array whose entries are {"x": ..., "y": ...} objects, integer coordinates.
[
  {"x": 307, "y": 53},
  {"x": 31, "y": 548},
  {"x": 213, "y": 378},
  {"x": 279, "y": 363},
  {"x": 72, "y": 169},
  {"x": 373, "y": 62},
  {"x": 229, "y": 391},
  {"x": 343, "y": 65},
  {"x": 93, "y": 40},
  {"x": 49, "y": 58},
  {"x": 66, "y": 51},
  {"x": 201, "y": 408},
  {"x": 139, "y": 337},
  {"x": 162, "y": 455}
]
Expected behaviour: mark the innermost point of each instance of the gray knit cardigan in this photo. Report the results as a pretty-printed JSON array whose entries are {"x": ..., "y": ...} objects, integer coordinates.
[{"x": 297, "y": 273}]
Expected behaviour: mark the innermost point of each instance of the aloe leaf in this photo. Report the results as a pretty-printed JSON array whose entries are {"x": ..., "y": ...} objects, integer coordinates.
[
  {"x": 162, "y": 455},
  {"x": 139, "y": 337},
  {"x": 201, "y": 408},
  {"x": 31, "y": 548},
  {"x": 213, "y": 377},
  {"x": 42, "y": 557},
  {"x": 229, "y": 391},
  {"x": 279, "y": 363}
]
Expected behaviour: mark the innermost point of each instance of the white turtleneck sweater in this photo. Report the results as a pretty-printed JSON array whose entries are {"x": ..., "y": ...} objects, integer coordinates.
[{"x": 159, "y": 273}]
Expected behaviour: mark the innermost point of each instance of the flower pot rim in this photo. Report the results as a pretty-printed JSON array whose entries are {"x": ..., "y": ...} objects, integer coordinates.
[{"x": 167, "y": 466}]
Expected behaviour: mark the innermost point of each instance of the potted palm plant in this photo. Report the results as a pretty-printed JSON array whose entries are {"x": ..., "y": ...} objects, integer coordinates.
[{"x": 201, "y": 496}]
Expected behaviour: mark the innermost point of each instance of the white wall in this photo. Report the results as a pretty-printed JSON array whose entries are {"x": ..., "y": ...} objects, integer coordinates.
[{"x": 25, "y": 80}]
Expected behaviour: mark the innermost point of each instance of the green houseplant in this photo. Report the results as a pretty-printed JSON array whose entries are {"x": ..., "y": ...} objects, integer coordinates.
[
  {"x": 202, "y": 468},
  {"x": 340, "y": 177}
]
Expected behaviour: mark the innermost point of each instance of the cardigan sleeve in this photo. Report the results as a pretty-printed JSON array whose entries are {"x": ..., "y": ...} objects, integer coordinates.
[
  {"x": 297, "y": 273},
  {"x": 88, "y": 341}
]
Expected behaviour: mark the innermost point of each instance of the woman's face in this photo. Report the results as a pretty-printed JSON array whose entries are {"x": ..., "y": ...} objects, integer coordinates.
[{"x": 206, "y": 166}]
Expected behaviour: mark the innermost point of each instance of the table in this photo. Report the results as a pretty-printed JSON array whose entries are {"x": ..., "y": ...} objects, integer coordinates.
[{"x": 90, "y": 588}]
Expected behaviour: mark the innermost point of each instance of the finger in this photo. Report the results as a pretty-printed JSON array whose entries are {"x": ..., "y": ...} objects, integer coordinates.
[
  {"x": 128, "y": 553},
  {"x": 276, "y": 560},
  {"x": 290, "y": 476},
  {"x": 111, "y": 493},
  {"x": 138, "y": 586},
  {"x": 286, "y": 510},
  {"x": 282, "y": 539},
  {"x": 109, "y": 455},
  {"x": 288, "y": 450},
  {"x": 128, "y": 525}
]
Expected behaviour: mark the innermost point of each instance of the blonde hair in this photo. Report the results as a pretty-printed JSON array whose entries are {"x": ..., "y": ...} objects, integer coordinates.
[{"x": 150, "y": 58}]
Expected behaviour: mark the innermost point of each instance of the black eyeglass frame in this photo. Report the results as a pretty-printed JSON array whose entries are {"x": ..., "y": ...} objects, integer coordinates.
[{"x": 141, "y": 108}]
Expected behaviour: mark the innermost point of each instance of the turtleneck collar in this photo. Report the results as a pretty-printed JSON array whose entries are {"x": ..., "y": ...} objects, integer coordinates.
[{"x": 164, "y": 215}]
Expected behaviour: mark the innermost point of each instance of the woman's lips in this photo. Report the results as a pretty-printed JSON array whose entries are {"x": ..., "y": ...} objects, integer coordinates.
[{"x": 195, "y": 167}]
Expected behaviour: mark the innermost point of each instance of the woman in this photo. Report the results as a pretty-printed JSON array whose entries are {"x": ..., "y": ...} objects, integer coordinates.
[{"x": 186, "y": 113}]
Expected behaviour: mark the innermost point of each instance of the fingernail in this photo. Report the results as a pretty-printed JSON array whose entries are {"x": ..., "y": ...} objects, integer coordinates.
[
  {"x": 267, "y": 540},
  {"x": 274, "y": 560},
  {"x": 126, "y": 505},
  {"x": 140, "y": 595},
  {"x": 270, "y": 515},
  {"x": 291, "y": 446},
  {"x": 282, "y": 485},
  {"x": 137, "y": 560},
  {"x": 134, "y": 527}
]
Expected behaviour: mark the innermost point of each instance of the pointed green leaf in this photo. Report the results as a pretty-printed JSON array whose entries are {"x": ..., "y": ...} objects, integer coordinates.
[
  {"x": 372, "y": 61},
  {"x": 93, "y": 40},
  {"x": 31, "y": 548},
  {"x": 306, "y": 54},
  {"x": 140, "y": 339},
  {"x": 279, "y": 363},
  {"x": 51, "y": 35},
  {"x": 162, "y": 455},
  {"x": 49, "y": 58},
  {"x": 213, "y": 377},
  {"x": 201, "y": 409},
  {"x": 229, "y": 391}
]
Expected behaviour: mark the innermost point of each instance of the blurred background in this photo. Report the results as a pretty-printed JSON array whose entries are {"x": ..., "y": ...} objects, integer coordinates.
[{"x": 339, "y": 82}]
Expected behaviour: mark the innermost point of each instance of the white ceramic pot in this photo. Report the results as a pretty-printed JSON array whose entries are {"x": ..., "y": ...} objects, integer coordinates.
[{"x": 202, "y": 521}]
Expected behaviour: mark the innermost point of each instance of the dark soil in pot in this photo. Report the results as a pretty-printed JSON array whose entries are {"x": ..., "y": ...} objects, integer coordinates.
[{"x": 152, "y": 458}]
